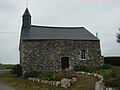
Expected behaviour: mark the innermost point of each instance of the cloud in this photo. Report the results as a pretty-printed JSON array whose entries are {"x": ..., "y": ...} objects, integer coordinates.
[{"x": 98, "y": 16}]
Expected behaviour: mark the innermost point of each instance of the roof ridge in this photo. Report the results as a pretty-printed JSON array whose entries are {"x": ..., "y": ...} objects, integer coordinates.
[{"x": 62, "y": 27}]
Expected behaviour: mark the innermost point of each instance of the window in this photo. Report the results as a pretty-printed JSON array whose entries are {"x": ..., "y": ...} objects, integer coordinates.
[{"x": 83, "y": 55}]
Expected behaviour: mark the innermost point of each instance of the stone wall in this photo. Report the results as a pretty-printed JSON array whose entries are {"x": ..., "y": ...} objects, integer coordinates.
[{"x": 45, "y": 55}]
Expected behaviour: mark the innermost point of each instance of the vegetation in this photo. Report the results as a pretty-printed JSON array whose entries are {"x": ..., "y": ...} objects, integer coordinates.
[
  {"x": 31, "y": 74},
  {"x": 51, "y": 75},
  {"x": 6, "y": 66},
  {"x": 17, "y": 69},
  {"x": 92, "y": 69},
  {"x": 111, "y": 75},
  {"x": 84, "y": 82},
  {"x": 118, "y": 37}
]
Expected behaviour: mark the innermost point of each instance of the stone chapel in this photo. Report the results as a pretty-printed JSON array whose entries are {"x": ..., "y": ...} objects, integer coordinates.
[{"x": 49, "y": 48}]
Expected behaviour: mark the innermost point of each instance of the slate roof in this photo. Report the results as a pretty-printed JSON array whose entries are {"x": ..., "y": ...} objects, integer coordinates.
[{"x": 47, "y": 32}]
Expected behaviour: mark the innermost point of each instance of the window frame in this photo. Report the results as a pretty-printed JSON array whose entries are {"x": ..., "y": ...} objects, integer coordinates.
[{"x": 83, "y": 55}]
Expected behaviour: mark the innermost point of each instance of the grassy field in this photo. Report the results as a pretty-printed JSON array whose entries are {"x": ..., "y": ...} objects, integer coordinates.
[
  {"x": 84, "y": 83},
  {"x": 6, "y": 66}
]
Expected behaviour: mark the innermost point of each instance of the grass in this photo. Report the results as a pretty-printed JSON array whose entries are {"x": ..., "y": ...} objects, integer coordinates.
[
  {"x": 6, "y": 66},
  {"x": 111, "y": 76},
  {"x": 84, "y": 82},
  {"x": 114, "y": 68},
  {"x": 117, "y": 69}
]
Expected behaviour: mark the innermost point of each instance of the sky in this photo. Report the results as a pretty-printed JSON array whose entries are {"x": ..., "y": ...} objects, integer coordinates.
[{"x": 97, "y": 16}]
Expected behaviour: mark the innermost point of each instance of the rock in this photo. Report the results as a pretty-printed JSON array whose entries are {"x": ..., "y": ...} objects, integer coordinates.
[
  {"x": 50, "y": 82},
  {"x": 110, "y": 89},
  {"x": 65, "y": 83},
  {"x": 33, "y": 79},
  {"x": 100, "y": 77},
  {"x": 30, "y": 78},
  {"x": 83, "y": 72},
  {"x": 46, "y": 81},
  {"x": 43, "y": 81},
  {"x": 74, "y": 79},
  {"x": 54, "y": 83},
  {"x": 95, "y": 75},
  {"x": 58, "y": 83},
  {"x": 88, "y": 73},
  {"x": 37, "y": 80}
]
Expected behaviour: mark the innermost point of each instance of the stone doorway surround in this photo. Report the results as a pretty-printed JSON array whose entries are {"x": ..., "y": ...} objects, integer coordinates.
[{"x": 64, "y": 63}]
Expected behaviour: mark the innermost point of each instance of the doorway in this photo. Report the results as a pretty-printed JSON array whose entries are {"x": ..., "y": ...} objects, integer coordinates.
[{"x": 64, "y": 62}]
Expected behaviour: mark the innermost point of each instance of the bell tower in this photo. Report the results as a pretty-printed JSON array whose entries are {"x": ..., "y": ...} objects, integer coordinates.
[{"x": 26, "y": 22}]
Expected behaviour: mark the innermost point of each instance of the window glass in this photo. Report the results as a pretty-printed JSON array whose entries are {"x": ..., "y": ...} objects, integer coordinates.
[{"x": 83, "y": 55}]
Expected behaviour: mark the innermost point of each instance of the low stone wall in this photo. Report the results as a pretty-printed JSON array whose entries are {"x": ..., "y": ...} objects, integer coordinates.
[{"x": 65, "y": 83}]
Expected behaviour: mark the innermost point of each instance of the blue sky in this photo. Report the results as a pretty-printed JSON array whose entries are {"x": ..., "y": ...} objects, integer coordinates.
[{"x": 98, "y": 16}]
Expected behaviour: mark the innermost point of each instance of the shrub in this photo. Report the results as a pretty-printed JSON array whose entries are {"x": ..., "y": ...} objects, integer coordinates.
[
  {"x": 65, "y": 74},
  {"x": 31, "y": 74},
  {"x": 106, "y": 66},
  {"x": 46, "y": 75},
  {"x": 51, "y": 75},
  {"x": 82, "y": 68},
  {"x": 17, "y": 69},
  {"x": 43, "y": 75},
  {"x": 59, "y": 76},
  {"x": 109, "y": 74}
]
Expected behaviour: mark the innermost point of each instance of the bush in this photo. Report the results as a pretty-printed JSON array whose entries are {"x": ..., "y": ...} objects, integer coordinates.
[
  {"x": 17, "y": 69},
  {"x": 43, "y": 75},
  {"x": 106, "y": 66},
  {"x": 46, "y": 75},
  {"x": 83, "y": 68},
  {"x": 31, "y": 74},
  {"x": 65, "y": 74}
]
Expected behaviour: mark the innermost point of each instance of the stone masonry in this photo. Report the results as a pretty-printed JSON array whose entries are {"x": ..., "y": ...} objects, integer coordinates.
[{"x": 45, "y": 55}]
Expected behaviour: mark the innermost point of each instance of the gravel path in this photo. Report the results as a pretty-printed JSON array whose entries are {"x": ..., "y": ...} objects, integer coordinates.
[
  {"x": 4, "y": 70},
  {"x": 6, "y": 87}
]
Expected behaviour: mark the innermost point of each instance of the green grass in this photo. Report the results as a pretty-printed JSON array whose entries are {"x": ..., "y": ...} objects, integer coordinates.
[
  {"x": 111, "y": 76},
  {"x": 113, "y": 68},
  {"x": 6, "y": 66},
  {"x": 117, "y": 69},
  {"x": 84, "y": 82}
]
